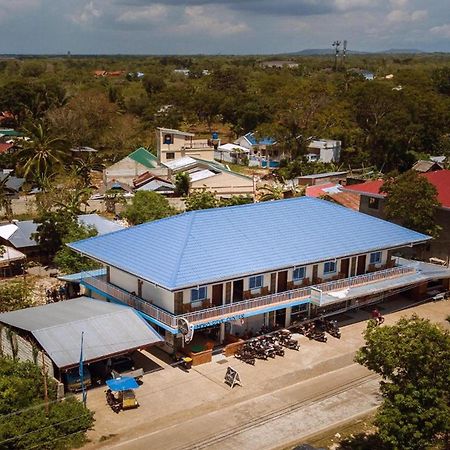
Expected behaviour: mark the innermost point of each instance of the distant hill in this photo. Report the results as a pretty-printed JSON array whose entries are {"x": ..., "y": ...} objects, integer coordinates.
[{"x": 330, "y": 51}]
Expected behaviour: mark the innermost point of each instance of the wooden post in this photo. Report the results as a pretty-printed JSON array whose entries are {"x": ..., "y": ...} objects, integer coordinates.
[{"x": 44, "y": 374}]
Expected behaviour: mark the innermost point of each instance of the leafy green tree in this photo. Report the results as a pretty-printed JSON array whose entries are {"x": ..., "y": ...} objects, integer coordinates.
[
  {"x": 201, "y": 199},
  {"x": 83, "y": 167},
  {"x": 411, "y": 200},
  {"x": 69, "y": 261},
  {"x": 74, "y": 200},
  {"x": 24, "y": 422},
  {"x": 15, "y": 294},
  {"x": 53, "y": 228},
  {"x": 153, "y": 84},
  {"x": 413, "y": 359},
  {"x": 441, "y": 78},
  {"x": 147, "y": 206},
  {"x": 42, "y": 153},
  {"x": 182, "y": 184},
  {"x": 236, "y": 200}
]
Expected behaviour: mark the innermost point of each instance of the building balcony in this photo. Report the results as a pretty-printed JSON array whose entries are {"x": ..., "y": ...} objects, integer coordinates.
[{"x": 404, "y": 276}]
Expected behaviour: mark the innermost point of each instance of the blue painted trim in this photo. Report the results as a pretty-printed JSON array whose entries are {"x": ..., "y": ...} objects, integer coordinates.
[{"x": 251, "y": 313}]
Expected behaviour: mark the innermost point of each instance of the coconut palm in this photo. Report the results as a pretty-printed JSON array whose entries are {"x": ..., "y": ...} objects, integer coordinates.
[
  {"x": 83, "y": 166},
  {"x": 74, "y": 199},
  {"x": 5, "y": 198},
  {"x": 279, "y": 191},
  {"x": 42, "y": 152}
]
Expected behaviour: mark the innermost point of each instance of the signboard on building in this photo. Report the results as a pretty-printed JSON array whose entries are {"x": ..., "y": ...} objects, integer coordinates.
[
  {"x": 316, "y": 296},
  {"x": 232, "y": 377},
  {"x": 186, "y": 329}
]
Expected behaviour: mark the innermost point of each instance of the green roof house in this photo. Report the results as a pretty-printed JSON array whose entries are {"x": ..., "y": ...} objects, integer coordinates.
[{"x": 133, "y": 165}]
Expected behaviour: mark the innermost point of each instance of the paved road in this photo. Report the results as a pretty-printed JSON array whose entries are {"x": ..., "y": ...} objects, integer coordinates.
[{"x": 268, "y": 421}]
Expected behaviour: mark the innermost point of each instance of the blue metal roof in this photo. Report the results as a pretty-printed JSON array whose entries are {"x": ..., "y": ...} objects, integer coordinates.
[
  {"x": 204, "y": 246},
  {"x": 101, "y": 224},
  {"x": 263, "y": 141}
]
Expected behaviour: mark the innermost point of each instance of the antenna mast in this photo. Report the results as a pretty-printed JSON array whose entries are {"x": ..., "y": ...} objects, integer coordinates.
[
  {"x": 344, "y": 53},
  {"x": 336, "y": 45}
]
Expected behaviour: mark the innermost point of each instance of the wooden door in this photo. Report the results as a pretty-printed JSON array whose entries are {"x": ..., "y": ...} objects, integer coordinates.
[
  {"x": 282, "y": 281},
  {"x": 217, "y": 295},
  {"x": 361, "y": 268},
  {"x": 315, "y": 271},
  {"x": 238, "y": 290},
  {"x": 345, "y": 267}
]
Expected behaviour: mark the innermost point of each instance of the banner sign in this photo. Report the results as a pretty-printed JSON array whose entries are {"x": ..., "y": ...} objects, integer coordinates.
[
  {"x": 232, "y": 377},
  {"x": 186, "y": 329},
  {"x": 219, "y": 321}
]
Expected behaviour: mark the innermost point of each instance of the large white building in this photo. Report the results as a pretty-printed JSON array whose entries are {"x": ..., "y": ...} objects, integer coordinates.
[{"x": 238, "y": 268}]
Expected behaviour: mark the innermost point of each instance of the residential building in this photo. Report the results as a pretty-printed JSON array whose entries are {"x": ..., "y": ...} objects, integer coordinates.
[
  {"x": 321, "y": 178},
  {"x": 151, "y": 182},
  {"x": 175, "y": 144},
  {"x": 133, "y": 165},
  {"x": 262, "y": 152},
  {"x": 423, "y": 166},
  {"x": 372, "y": 202},
  {"x": 324, "y": 150},
  {"x": 211, "y": 175},
  {"x": 232, "y": 153},
  {"x": 235, "y": 269}
]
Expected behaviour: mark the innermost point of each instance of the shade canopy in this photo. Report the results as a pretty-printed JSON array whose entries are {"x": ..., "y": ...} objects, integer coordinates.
[{"x": 122, "y": 384}]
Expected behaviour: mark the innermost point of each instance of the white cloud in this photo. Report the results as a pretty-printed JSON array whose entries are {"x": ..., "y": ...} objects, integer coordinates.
[
  {"x": 442, "y": 30},
  {"x": 200, "y": 19},
  {"x": 88, "y": 13},
  {"x": 346, "y": 5},
  {"x": 399, "y": 16},
  {"x": 150, "y": 13}
]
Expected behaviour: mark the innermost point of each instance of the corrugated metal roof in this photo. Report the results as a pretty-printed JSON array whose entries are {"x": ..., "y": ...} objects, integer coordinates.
[
  {"x": 216, "y": 244},
  {"x": 201, "y": 175},
  {"x": 101, "y": 224},
  {"x": 157, "y": 186},
  {"x": 22, "y": 237},
  {"x": 144, "y": 157},
  {"x": 108, "y": 329},
  {"x": 173, "y": 131},
  {"x": 180, "y": 163},
  {"x": 322, "y": 175}
]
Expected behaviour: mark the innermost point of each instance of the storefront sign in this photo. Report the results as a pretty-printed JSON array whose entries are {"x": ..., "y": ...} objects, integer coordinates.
[
  {"x": 186, "y": 329},
  {"x": 232, "y": 377},
  {"x": 219, "y": 321}
]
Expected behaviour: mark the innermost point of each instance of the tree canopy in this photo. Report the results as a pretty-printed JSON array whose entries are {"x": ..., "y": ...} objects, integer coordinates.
[
  {"x": 24, "y": 423},
  {"x": 413, "y": 359},
  {"x": 411, "y": 200},
  {"x": 147, "y": 206}
]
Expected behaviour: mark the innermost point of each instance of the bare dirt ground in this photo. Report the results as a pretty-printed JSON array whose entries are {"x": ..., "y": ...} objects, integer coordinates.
[{"x": 280, "y": 401}]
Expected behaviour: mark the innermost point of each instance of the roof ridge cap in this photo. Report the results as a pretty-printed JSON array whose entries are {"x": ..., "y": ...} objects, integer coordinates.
[{"x": 180, "y": 256}]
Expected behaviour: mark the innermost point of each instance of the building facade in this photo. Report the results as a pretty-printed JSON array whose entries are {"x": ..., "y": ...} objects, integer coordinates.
[{"x": 239, "y": 268}]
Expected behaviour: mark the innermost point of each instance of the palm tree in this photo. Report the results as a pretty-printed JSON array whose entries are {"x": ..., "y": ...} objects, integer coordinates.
[
  {"x": 75, "y": 198},
  {"x": 5, "y": 198},
  {"x": 84, "y": 165},
  {"x": 42, "y": 152},
  {"x": 279, "y": 191}
]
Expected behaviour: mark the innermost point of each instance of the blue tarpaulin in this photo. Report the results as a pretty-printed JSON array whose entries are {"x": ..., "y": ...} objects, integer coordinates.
[{"x": 122, "y": 384}]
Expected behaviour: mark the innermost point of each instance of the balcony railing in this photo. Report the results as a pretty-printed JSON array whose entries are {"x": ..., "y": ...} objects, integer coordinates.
[
  {"x": 364, "y": 279},
  {"x": 135, "y": 302},
  {"x": 235, "y": 310}
]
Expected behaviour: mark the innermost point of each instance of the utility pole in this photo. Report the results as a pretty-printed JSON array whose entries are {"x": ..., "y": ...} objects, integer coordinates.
[{"x": 44, "y": 375}]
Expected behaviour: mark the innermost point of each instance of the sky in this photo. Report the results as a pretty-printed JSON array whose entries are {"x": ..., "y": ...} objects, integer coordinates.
[{"x": 220, "y": 26}]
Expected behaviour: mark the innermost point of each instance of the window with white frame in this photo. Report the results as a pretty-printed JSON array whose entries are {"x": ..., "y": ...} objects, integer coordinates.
[
  {"x": 299, "y": 273},
  {"x": 329, "y": 267},
  {"x": 198, "y": 294},
  {"x": 375, "y": 258},
  {"x": 255, "y": 282}
]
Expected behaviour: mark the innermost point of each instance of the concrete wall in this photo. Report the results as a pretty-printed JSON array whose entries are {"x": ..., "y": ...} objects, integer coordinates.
[
  {"x": 150, "y": 292},
  {"x": 26, "y": 351},
  {"x": 226, "y": 183},
  {"x": 371, "y": 211}
]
